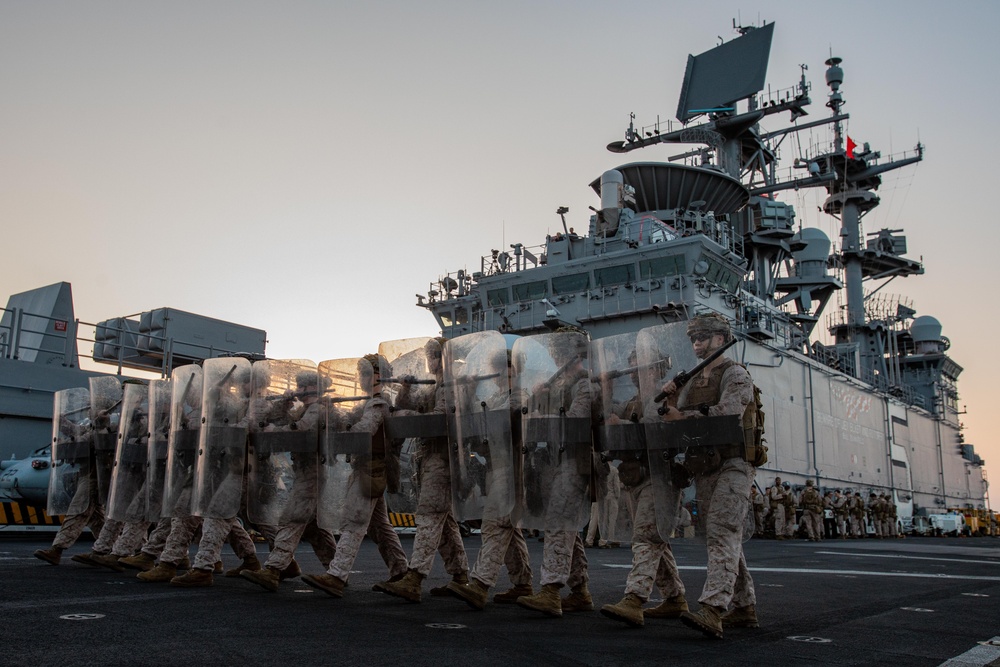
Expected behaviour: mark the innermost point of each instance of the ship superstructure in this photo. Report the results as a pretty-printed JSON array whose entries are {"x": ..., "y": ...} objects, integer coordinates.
[{"x": 873, "y": 408}]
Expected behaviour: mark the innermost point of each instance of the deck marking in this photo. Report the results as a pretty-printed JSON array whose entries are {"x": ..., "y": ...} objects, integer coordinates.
[{"x": 893, "y": 556}]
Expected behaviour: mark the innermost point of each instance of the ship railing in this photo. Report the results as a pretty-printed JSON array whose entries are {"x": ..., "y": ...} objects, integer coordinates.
[
  {"x": 28, "y": 336},
  {"x": 31, "y": 337},
  {"x": 518, "y": 258}
]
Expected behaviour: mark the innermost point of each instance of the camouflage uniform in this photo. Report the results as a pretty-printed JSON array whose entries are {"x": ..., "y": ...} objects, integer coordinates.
[
  {"x": 776, "y": 501},
  {"x": 875, "y": 514},
  {"x": 302, "y": 503},
  {"x": 759, "y": 510},
  {"x": 722, "y": 491},
  {"x": 437, "y": 529},
  {"x": 652, "y": 559},
  {"x": 564, "y": 561},
  {"x": 841, "y": 514},
  {"x": 857, "y": 516},
  {"x": 90, "y": 514},
  {"x": 812, "y": 510},
  {"x": 364, "y": 514}
]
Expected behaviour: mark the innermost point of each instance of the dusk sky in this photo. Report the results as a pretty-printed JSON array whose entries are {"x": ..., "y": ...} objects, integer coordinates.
[{"x": 308, "y": 167}]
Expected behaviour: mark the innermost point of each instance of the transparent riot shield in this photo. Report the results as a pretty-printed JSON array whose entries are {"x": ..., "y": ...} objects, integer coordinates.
[
  {"x": 126, "y": 500},
  {"x": 553, "y": 388},
  {"x": 159, "y": 440},
  {"x": 71, "y": 482},
  {"x": 477, "y": 388},
  {"x": 105, "y": 416},
  {"x": 620, "y": 435},
  {"x": 662, "y": 352},
  {"x": 182, "y": 443},
  {"x": 222, "y": 442},
  {"x": 412, "y": 377},
  {"x": 345, "y": 456},
  {"x": 284, "y": 423}
]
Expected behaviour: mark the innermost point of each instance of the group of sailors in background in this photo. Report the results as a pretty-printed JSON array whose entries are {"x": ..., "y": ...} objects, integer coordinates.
[
  {"x": 782, "y": 512},
  {"x": 521, "y": 439}
]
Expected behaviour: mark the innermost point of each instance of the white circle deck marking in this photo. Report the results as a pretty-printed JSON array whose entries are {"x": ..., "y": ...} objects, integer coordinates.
[
  {"x": 446, "y": 626},
  {"x": 920, "y": 609},
  {"x": 81, "y": 617},
  {"x": 810, "y": 640},
  {"x": 976, "y": 595}
]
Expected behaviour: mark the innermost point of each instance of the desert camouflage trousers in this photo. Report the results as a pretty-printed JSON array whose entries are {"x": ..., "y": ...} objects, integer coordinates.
[
  {"x": 157, "y": 539},
  {"x": 814, "y": 524},
  {"x": 287, "y": 539},
  {"x": 652, "y": 559},
  {"x": 131, "y": 539},
  {"x": 214, "y": 533},
  {"x": 73, "y": 525},
  {"x": 437, "y": 528},
  {"x": 109, "y": 534},
  {"x": 367, "y": 516},
  {"x": 503, "y": 545},
  {"x": 564, "y": 561},
  {"x": 724, "y": 499}
]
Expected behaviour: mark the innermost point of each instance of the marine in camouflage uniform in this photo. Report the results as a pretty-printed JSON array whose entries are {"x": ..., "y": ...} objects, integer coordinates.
[
  {"x": 722, "y": 481},
  {"x": 437, "y": 529},
  {"x": 812, "y": 511},
  {"x": 84, "y": 509},
  {"x": 503, "y": 541},
  {"x": 759, "y": 510},
  {"x": 776, "y": 503},
  {"x": 841, "y": 513},
  {"x": 875, "y": 514},
  {"x": 280, "y": 562},
  {"x": 652, "y": 558},
  {"x": 366, "y": 513},
  {"x": 857, "y": 506},
  {"x": 564, "y": 560}
]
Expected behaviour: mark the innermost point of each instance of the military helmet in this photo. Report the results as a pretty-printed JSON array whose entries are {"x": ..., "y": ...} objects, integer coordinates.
[
  {"x": 810, "y": 482},
  {"x": 786, "y": 485},
  {"x": 711, "y": 323}
]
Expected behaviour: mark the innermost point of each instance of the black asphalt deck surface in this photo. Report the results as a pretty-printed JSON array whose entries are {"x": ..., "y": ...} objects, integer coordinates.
[{"x": 869, "y": 602}]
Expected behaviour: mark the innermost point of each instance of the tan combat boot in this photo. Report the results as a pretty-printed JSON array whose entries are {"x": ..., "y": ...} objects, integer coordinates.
[
  {"x": 109, "y": 561},
  {"x": 268, "y": 578},
  {"x": 86, "y": 559},
  {"x": 249, "y": 563},
  {"x": 629, "y": 610},
  {"x": 707, "y": 620},
  {"x": 329, "y": 584},
  {"x": 511, "y": 596},
  {"x": 669, "y": 608},
  {"x": 461, "y": 578},
  {"x": 51, "y": 555},
  {"x": 408, "y": 588},
  {"x": 380, "y": 586},
  {"x": 473, "y": 593},
  {"x": 162, "y": 572},
  {"x": 141, "y": 561},
  {"x": 578, "y": 600},
  {"x": 293, "y": 570},
  {"x": 741, "y": 617},
  {"x": 546, "y": 601},
  {"x": 194, "y": 578},
  {"x": 185, "y": 564}
]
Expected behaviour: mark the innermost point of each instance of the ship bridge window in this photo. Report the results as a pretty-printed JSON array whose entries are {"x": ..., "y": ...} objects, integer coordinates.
[
  {"x": 497, "y": 297},
  {"x": 615, "y": 275},
  {"x": 661, "y": 267},
  {"x": 531, "y": 291},
  {"x": 578, "y": 282},
  {"x": 720, "y": 275}
]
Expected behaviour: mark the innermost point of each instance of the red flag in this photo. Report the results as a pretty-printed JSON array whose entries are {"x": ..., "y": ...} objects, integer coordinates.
[{"x": 850, "y": 147}]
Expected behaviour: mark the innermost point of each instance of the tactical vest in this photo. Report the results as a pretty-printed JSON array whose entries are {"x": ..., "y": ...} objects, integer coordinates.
[
  {"x": 701, "y": 391},
  {"x": 811, "y": 500}
]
